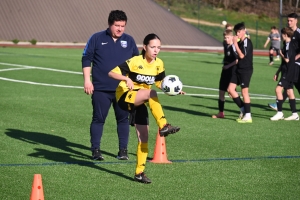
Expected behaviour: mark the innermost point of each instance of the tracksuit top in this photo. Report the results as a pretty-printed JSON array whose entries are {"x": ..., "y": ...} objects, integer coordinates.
[{"x": 105, "y": 54}]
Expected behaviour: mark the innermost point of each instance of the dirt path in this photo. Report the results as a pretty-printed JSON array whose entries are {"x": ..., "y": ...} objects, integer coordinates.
[{"x": 252, "y": 31}]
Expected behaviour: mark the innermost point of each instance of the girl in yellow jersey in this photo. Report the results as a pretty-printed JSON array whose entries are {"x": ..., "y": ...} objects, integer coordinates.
[{"x": 137, "y": 75}]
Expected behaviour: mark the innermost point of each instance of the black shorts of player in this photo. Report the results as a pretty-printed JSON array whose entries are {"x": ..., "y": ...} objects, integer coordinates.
[
  {"x": 225, "y": 79},
  {"x": 137, "y": 114},
  {"x": 285, "y": 84},
  {"x": 242, "y": 78},
  {"x": 274, "y": 48}
]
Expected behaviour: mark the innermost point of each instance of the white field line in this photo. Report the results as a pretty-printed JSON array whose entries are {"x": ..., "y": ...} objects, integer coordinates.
[
  {"x": 216, "y": 95},
  {"x": 41, "y": 68},
  {"x": 44, "y": 84},
  {"x": 259, "y": 96},
  {"x": 39, "y": 55},
  {"x": 11, "y": 69}
]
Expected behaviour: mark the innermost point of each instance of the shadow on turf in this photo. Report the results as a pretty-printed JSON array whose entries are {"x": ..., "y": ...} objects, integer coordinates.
[
  {"x": 192, "y": 112},
  {"x": 71, "y": 157},
  {"x": 208, "y": 62}
]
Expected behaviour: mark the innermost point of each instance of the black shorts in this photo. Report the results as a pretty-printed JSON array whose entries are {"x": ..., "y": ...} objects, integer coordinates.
[
  {"x": 242, "y": 78},
  {"x": 138, "y": 114},
  {"x": 285, "y": 84},
  {"x": 274, "y": 48},
  {"x": 225, "y": 79}
]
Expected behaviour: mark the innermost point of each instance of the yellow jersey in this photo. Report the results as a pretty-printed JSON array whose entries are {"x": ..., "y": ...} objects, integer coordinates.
[{"x": 142, "y": 74}]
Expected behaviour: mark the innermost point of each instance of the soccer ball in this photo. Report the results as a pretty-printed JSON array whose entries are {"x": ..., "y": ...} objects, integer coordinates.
[
  {"x": 171, "y": 85},
  {"x": 224, "y": 23}
]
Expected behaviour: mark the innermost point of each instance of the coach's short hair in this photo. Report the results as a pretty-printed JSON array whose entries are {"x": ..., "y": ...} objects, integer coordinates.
[
  {"x": 116, "y": 15},
  {"x": 239, "y": 26},
  {"x": 292, "y": 15}
]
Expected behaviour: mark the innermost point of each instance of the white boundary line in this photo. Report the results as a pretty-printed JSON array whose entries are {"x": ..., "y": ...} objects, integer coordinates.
[
  {"x": 259, "y": 96},
  {"x": 41, "y": 68}
]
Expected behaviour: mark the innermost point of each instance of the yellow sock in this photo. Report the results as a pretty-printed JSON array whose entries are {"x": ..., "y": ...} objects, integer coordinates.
[
  {"x": 157, "y": 112},
  {"x": 141, "y": 157}
]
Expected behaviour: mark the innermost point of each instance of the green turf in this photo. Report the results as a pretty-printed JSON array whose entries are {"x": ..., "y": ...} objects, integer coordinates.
[{"x": 45, "y": 130}]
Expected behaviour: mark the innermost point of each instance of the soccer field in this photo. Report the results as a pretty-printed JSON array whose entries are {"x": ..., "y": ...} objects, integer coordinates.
[{"x": 44, "y": 129}]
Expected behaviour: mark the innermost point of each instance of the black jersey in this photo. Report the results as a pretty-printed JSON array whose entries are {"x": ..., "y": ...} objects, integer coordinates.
[
  {"x": 290, "y": 70},
  {"x": 245, "y": 64},
  {"x": 230, "y": 54},
  {"x": 296, "y": 40}
]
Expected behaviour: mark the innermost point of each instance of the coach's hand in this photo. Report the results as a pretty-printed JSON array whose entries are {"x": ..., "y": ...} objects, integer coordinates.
[{"x": 88, "y": 87}]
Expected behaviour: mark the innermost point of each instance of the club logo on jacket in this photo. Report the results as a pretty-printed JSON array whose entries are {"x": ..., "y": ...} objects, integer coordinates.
[{"x": 123, "y": 43}]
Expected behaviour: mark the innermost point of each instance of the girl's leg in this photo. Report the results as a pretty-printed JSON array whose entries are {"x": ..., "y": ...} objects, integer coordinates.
[
  {"x": 144, "y": 95},
  {"x": 141, "y": 153},
  {"x": 142, "y": 148}
]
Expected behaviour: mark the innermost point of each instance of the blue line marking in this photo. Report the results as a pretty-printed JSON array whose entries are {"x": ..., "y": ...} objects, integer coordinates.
[{"x": 131, "y": 162}]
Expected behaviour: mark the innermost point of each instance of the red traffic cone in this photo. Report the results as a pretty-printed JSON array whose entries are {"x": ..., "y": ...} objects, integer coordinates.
[
  {"x": 37, "y": 192},
  {"x": 160, "y": 152}
]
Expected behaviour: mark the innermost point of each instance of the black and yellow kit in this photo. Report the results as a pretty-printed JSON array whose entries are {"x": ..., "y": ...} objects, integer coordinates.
[{"x": 142, "y": 73}]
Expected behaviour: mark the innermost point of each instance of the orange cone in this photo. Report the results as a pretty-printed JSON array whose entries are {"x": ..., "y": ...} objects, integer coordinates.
[
  {"x": 160, "y": 152},
  {"x": 37, "y": 192}
]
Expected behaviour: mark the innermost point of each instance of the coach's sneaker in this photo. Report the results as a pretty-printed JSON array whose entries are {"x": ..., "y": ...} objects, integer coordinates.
[
  {"x": 273, "y": 106},
  {"x": 278, "y": 116},
  {"x": 122, "y": 155},
  {"x": 168, "y": 129},
  {"x": 97, "y": 155},
  {"x": 219, "y": 115},
  {"x": 294, "y": 117},
  {"x": 142, "y": 178}
]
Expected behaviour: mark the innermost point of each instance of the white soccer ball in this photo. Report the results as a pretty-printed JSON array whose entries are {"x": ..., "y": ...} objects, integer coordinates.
[
  {"x": 171, "y": 85},
  {"x": 224, "y": 23}
]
